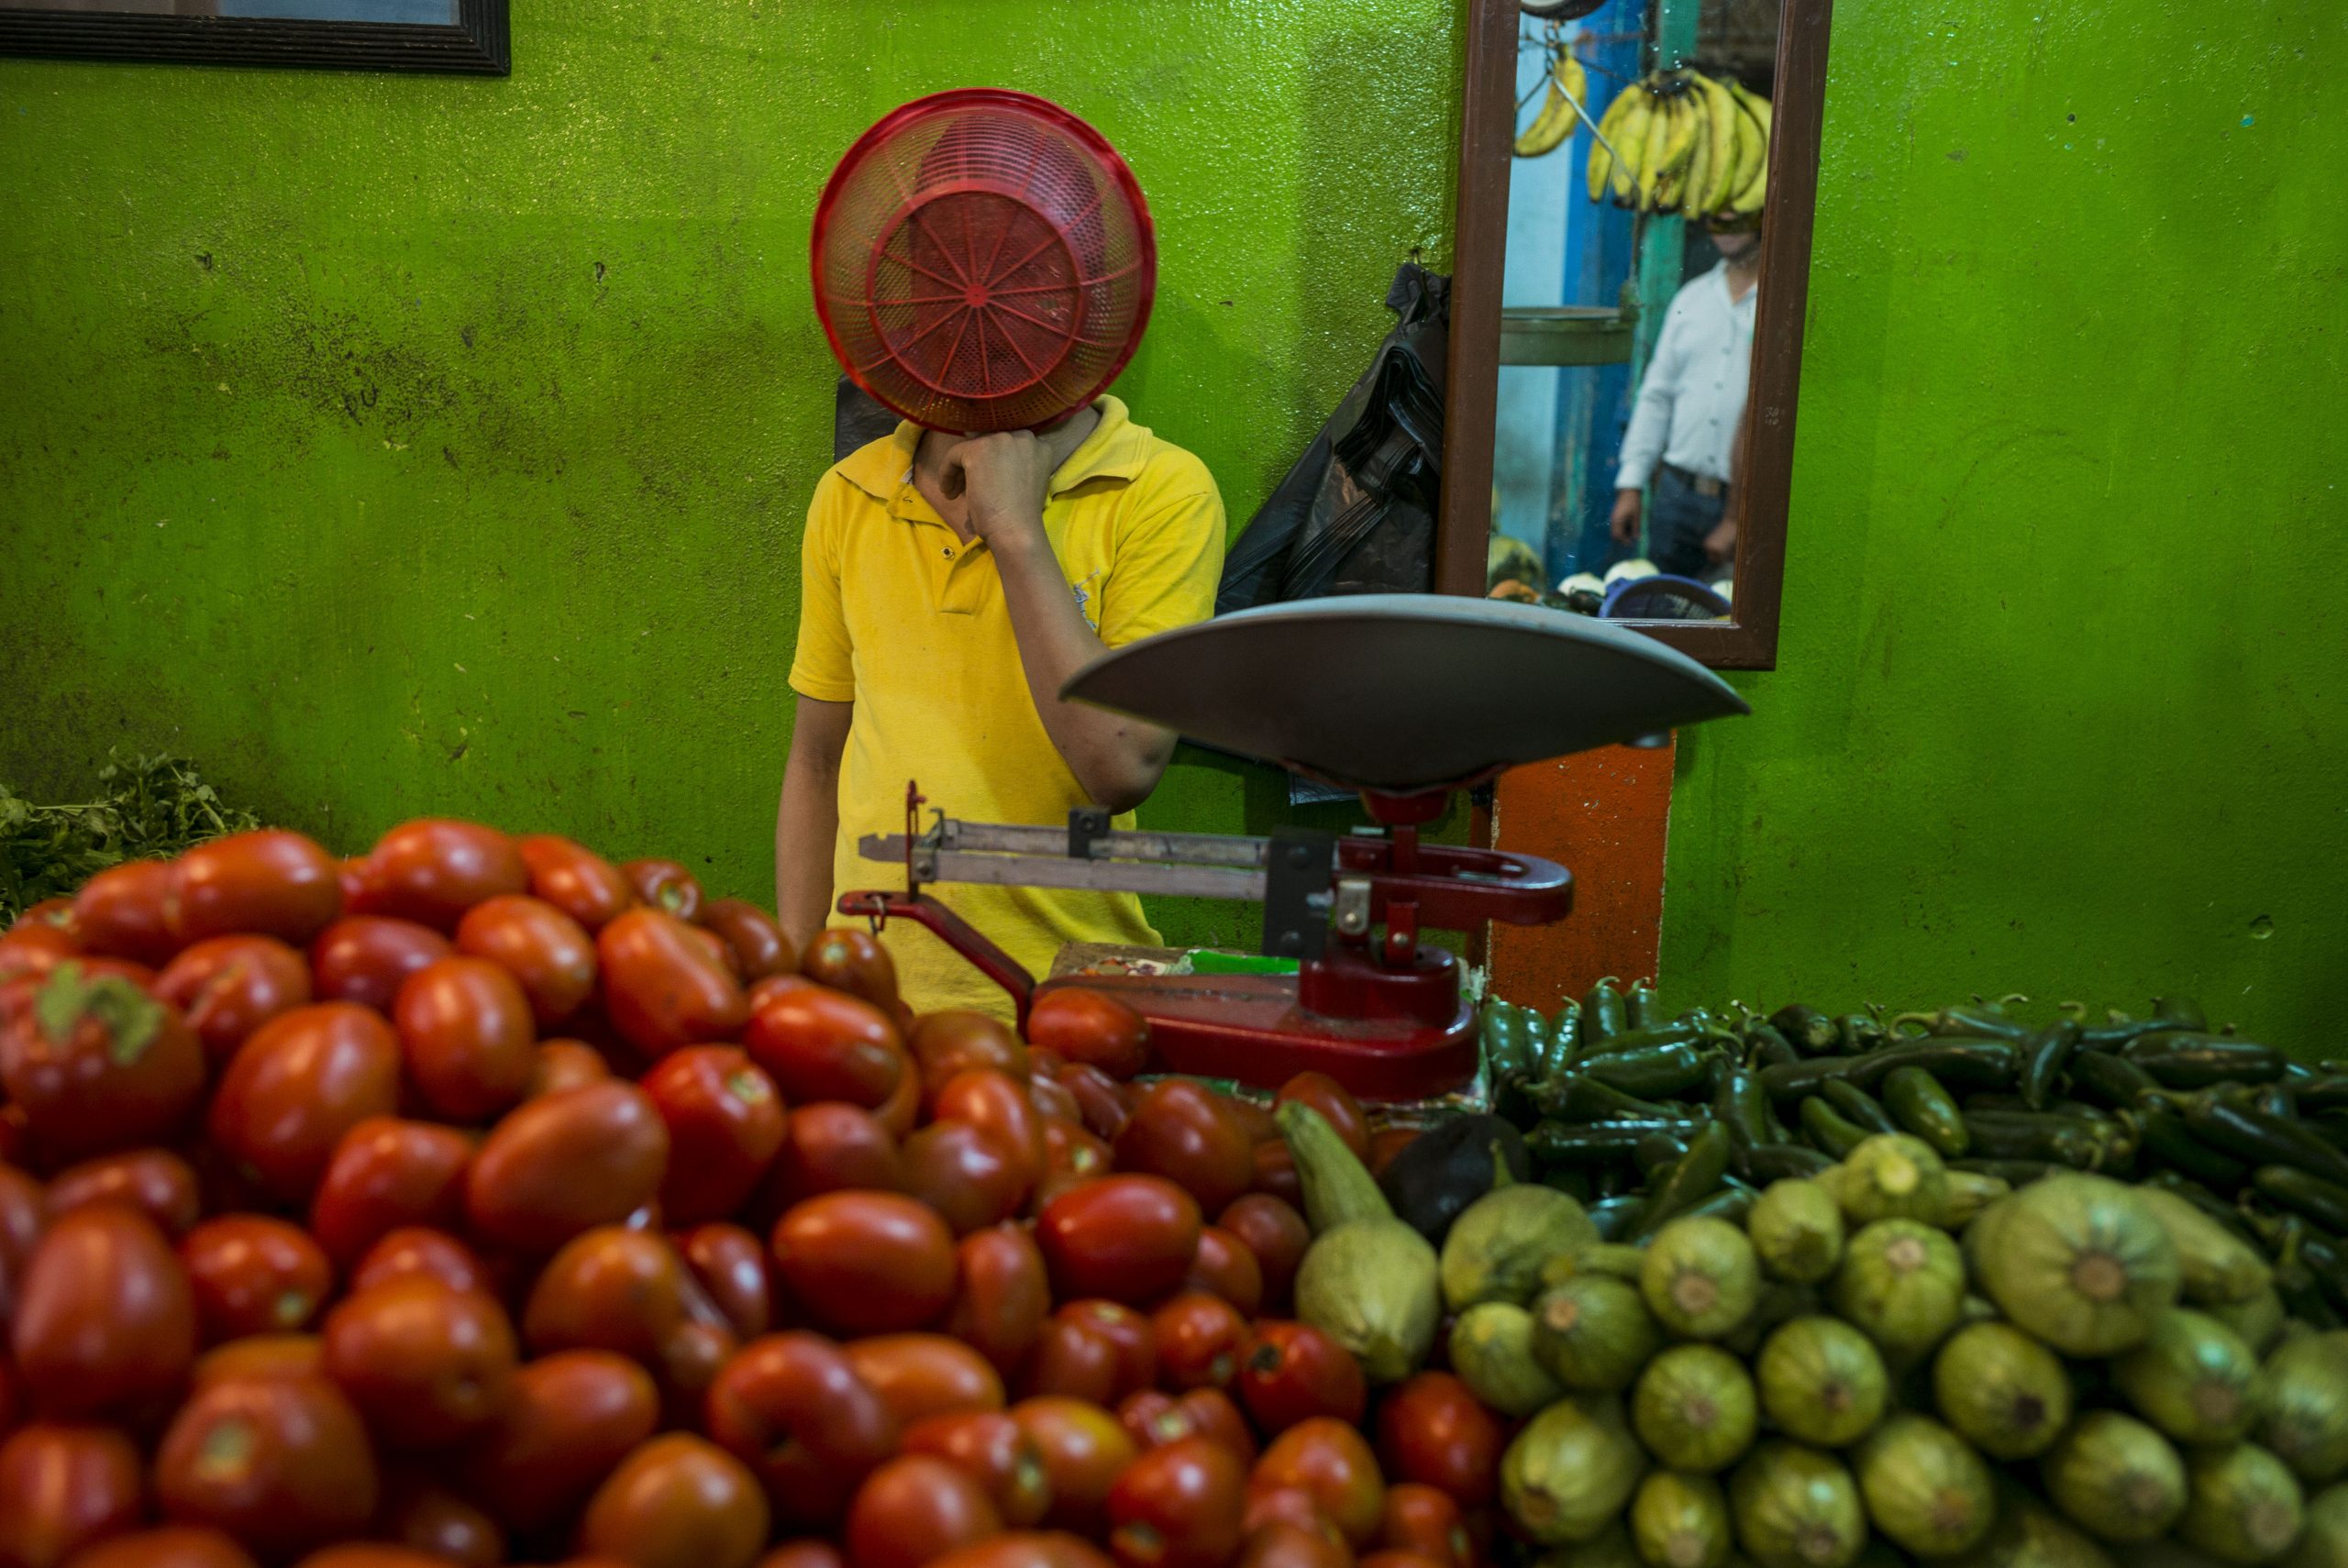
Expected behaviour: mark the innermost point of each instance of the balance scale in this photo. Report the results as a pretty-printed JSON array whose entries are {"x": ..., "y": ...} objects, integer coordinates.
[{"x": 1402, "y": 698}]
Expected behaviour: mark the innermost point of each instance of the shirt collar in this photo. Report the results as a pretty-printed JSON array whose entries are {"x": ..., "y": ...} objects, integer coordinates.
[{"x": 1116, "y": 449}]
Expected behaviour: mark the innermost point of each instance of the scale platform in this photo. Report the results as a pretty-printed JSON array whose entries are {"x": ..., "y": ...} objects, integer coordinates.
[{"x": 1402, "y": 698}]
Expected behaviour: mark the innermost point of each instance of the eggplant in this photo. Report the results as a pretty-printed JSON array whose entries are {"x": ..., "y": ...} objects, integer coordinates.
[{"x": 1448, "y": 1166}]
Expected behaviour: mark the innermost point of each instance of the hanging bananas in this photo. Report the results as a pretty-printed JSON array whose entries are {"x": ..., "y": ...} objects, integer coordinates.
[
  {"x": 1677, "y": 141},
  {"x": 1554, "y": 125}
]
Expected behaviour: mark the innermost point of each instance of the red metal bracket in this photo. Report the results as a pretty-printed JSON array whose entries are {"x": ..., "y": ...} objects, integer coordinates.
[{"x": 990, "y": 960}]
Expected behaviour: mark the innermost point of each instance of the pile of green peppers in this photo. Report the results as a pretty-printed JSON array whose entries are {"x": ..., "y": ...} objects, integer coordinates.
[{"x": 1645, "y": 1118}]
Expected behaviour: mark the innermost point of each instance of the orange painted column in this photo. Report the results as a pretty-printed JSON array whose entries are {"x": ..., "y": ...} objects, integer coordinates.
[{"x": 1600, "y": 815}]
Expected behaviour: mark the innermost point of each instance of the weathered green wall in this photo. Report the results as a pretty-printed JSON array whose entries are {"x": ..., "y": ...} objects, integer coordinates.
[
  {"x": 2062, "y": 704},
  {"x": 405, "y": 444}
]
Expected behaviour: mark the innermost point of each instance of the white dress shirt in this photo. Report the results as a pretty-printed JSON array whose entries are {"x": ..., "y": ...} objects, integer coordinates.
[{"x": 1694, "y": 391}]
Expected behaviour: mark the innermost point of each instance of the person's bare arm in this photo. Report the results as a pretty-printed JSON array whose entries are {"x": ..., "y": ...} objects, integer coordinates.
[
  {"x": 1117, "y": 760},
  {"x": 1721, "y": 542},
  {"x": 807, "y": 821}
]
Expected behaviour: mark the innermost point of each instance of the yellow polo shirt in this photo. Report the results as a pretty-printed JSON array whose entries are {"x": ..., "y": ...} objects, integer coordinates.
[{"x": 901, "y": 618}]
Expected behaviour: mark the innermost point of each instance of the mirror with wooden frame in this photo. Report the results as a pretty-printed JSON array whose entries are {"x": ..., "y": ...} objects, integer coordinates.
[{"x": 1636, "y": 184}]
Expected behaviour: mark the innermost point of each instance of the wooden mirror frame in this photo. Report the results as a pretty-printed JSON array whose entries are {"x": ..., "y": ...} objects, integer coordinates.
[{"x": 1748, "y": 639}]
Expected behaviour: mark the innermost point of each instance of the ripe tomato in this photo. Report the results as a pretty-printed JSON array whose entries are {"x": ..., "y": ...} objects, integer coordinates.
[
  {"x": 97, "y": 1064},
  {"x": 1254, "y": 1119},
  {"x": 574, "y": 880},
  {"x": 1431, "y": 1429},
  {"x": 1131, "y": 1338},
  {"x": 124, "y": 912},
  {"x": 1069, "y": 1152},
  {"x": 964, "y": 1173},
  {"x": 172, "y": 1547},
  {"x": 1329, "y": 1462},
  {"x": 805, "y": 1553},
  {"x": 1128, "y": 1237},
  {"x": 269, "y": 883},
  {"x": 1201, "y": 1339},
  {"x": 1071, "y": 1361},
  {"x": 821, "y": 1044},
  {"x": 387, "y": 1173},
  {"x": 677, "y": 1502},
  {"x": 425, "y": 1365},
  {"x": 662, "y": 986},
  {"x": 1292, "y": 1506},
  {"x": 1091, "y": 1027},
  {"x": 367, "y": 1555},
  {"x": 866, "y": 1262},
  {"x": 828, "y": 1146},
  {"x": 433, "y": 869},
  {"x": 1181, "y": 1131},
  {"x": 757, "y": 942},
  {"x": 665, "y": 885},
  {"x": 1386, "y": 1143},
  {"x": 692, "y": 1358},
  {"x": 1391, "y": 1559},
  {"x": 1294, "y": 1372},
  {"x": 1425, "y": 1519},
  {"x": 466, "y": 1036},
  {"x": 63, "y": 1488},
  {"x": 610, "y": 1288},
  {"x": 1279, "y": 1544},
  {"x": 1179, "y": 1505},
  {"x": 1049, "y": 1097},
  {"x": 252, "y": 1275},
  {"x": 730, "y": 1265},
  {"x": 849, "y": 959},
  {"x": 1340, "y": 1109},
  {"x": 565, "y": 1064},
  {"x": 994, "y": 1104},
  {"x": 1276, "y": 1233},
  {"x": 227, "y": 987},
  {"x": 792, "y": 1407},
  {"x": 303, "y": 1080},
  {"x": 726, "y": 1121},
  {"x": 260, "y": 1358},
  {"x": 105, "y": 1321},
  {"x": 945, "y": 1043},
  {"x": 1276, "y": 1174},
  {"x": 990, "y": 1448},
  {"x": 364, "y": 958},
  {"x": 549, "y": 954},
  {"x": 1001, "y": 1295},
  {"x": 567, "y": 1418},
  {"x": 1213, "y": 1416},
  {"x": 914, "y": 1508},
  {"x": 1084, "y": 1449},
  {"x": 1026, "y": 1548},
  {"x": 1153, "y": 1417},
  {"x": 419, "y": 1249},
  {"x": 555, "y": 1166},
  {"x": 1225, "y": 1267},
  {"x": 423, "y": 1517},
  {"x": 281, "y": 1465},
  {"x": 921, "y": 1375},
  {"x": 156, "y": 1182}
]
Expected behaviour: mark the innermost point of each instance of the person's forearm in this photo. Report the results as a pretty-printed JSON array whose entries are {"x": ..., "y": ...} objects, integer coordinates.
[{"x": 806, "y": 823}]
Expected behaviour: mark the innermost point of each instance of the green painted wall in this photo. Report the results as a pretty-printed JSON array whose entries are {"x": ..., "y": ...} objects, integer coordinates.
[
  {"x": 405, "y": 444},
  {"x": 2062, "y": 704}
]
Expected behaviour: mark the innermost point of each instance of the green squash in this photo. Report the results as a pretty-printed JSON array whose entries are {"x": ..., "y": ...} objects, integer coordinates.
[
  {"x": 1701, "y": 1278},
  {"x": 1893, "y": 1176},
  {"x": 1570, "y": 1472},
  {"x": 1495, "y": 1248},
  {"x": 1695, "y": 1408},
  {"x": 2193, "y": 1378},
  {"x": 2079, "y": 1261},
  {"x": 1681, "y": 1521},
  {"x": 1902, "y": 1283},
  {"x": 1796, "y": 1228},
  {"x": 1924, "y": 1486},
  {"x": 1491, "y": 1352},
  {"x": 2004, "y": 1391},
  {"x": 1594, "y": 1332},
  {"x": 1797, "y": 1508},
  {"x": 2324, "y": 1540},
  {"x": 2116, "y": 1478},
  {"x": 2215, "y": 1267},
  {"x": 2241, "y": 1504},
  {"x": 2306, "y": 1419},
  {"x": 1822, "y": 1382}
]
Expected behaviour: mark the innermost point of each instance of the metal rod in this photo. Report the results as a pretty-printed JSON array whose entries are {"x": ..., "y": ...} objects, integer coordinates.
[
  {"x": 1091, "y": 875},
  {"x": 1015, "y": 838}
]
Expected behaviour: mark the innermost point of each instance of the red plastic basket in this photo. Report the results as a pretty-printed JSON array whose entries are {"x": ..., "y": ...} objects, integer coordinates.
[{"x": 984, "y": 260}]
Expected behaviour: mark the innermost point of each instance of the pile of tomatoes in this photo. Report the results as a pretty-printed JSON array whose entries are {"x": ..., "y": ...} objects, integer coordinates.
[{"x": 479, "y": 1200}]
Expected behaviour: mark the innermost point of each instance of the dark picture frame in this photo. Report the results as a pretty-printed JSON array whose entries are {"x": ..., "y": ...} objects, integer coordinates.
[
  {"x": 475, "y": 44},
  {"x": 1748, "y": 638}
]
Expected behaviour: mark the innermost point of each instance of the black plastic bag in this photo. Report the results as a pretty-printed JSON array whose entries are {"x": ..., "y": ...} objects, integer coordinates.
[{"x": 1357, "y": 515}]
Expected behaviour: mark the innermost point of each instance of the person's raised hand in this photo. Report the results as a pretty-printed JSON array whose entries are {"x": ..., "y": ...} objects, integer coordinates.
[
  {"x": 1005, "y": 478},
  {"x": 1628, "y": 504}
]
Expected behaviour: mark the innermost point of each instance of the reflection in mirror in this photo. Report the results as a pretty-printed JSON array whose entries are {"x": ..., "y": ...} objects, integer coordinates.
[
  {"x": 429, "y": 13},
  {"x": 1630, "y": 294}
]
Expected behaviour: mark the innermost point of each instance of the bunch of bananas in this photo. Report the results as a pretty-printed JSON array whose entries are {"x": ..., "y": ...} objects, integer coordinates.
[
  {"x": 1568, "y": 90},
  {"x": 1679, "y": 141}
]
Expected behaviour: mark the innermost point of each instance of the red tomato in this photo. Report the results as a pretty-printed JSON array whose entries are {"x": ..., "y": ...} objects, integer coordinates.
[
  {"x": 1391, "y": 1559},
  {"x": 97, "y": 1064},
  {"x": 281, "y": 1465},
  {"x": 1431, "y": 1429},
  {"x": 156, "y": 1182},
  {"x": 1254, "y": 1119},
  {"x": 794, "y": 1409},
  {"x": 124, "y": 911},
  {"x": 1425, "y": 1520},
  {"x": 1294, "y": 1372},
  {"x": 1153, "y": 1417},
  {"x": 821, "y": 1044},
  {"x": 1181, "y": 1131},
  {"x": 848, "y": 959},
  {"x": 1340, "y": 1109},
  {"x": 901, "y": 1112},
  {"x": 677, "y": 1502},
  {"x": 1386, "y": 1143},
  {"x": 921, "y": 1375},
  {"x": 916, "y": 1508},
  {"x": 1330, "y": 1462},
  {"x": 1072, "y": 1360},
  {"x": 56, "y": 913},
  {"x": 576, "y": 881},
  {"x": 726, "y": 1123},
  {"x": 806, "y": 1554},
  {"x": 1225, "y": 1267},
  {"x": 230, "y": 986},
  {"x": 1131, "y": 1338},
  {"x": 613, "y": 1289},
  {"x": 419, "y": 1249},
  {"x": 1276, "y": 1174},
  {"x": 1084, "y": 1449},
  {"x": 1092, "y": 1027},
  {"x": 1129, "y": 1238},
  {"x": 467, "y": 1038},
  {"x": 828, "y": 1146},
  {"x": 270, "y": 883},
  {"x": 730, "y": 1263},
  {"x": 1001, "y": 1295},
  {"x": 555, "y": 1166},
  {"x": 364, "y": 958},
  {"x": 1214, "y": 1416},
  {"x": 1200, "y": 1341},
  {"x": 990, "y": 1448},
  {"x": 433, "y": 869},
  {"x": 425, "y": 1365},
  {"x": 1276, "y": 1233},
  {"x": 387, "y": 1173},
  {"x": 1279, "y": 1544},
  {"x": 1105, "y": 1104},
  {"x": 997, "y": 1106},
  {"x": 664, "y": 989},
  {"x": 945, "y": 1043},
  {"x": 252, "y": 1275},
  {"x": 549, "y": 954},
  {"x": 260, "y": 1358},
  {"x": 866, "y": 1261},
  {"x": 303, "y": 1080},
  {"x": 63, "y": 1488},
  {"x": 569, "y": 1418},
  {"x": 365, "y": 1555},
  {"x": 757, "y": 942},
  {"x": 1049, "y": 1097},
  {"x": 105, "y": 1321},
  {"x": 665, "y": 885},
  {"x": 427, "y": 1517},
  {"x": 565, "y": 1064},
  {"x": 168, "y": 1548},
  {"x": 1070, "y": 1152},
  {"x": 1179, "y": 1505},
  {"x": 23, "y": 1213},
  {"x": 1026, "y": 1548},
  {"x": 964, "y": 1173}
]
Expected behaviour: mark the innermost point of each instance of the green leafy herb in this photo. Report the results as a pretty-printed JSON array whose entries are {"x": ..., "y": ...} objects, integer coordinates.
[{"x": 147, "y": 807}]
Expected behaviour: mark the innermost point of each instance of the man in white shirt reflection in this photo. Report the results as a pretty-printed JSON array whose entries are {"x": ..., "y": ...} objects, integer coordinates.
[{"x": 1684, "y": 425}]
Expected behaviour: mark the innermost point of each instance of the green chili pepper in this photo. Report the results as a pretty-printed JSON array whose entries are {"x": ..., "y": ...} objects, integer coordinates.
[
  {"x": 1575, "y": 1097},
  {"x": 1657, "y": 1151},
  {"x": 2112, "y": 1081},
  {"x": 1733, "y": 1202},
  {"x": 1564, "y": 1035},
  {"x": 2015, "y": 1173},
  {"x": 1973, "y": 1062},
  {"x": 1764, "y": 1048},
  {"x": 1981, "y": 1019},
  {"x": 1857, "y": 1106},
  {"x": 1739, "y": 1105},
  {"x": 2310, "y": 1196},
  {"x": 2183, "y": 1061},
  {"x": 2044, "y": 1056},
  {"x": 1766, "y": 1163},
  {"x": 1508, "y": 1047},
  {"x": 1827, "y": 1131},
  {"x": 1809, "y": 1030},
  {"x": 1857, "y": 1032},
  {"x": 1599, "y": 1142},
  {"x": 1671, "y": 1069},
  {"x": 2173, "y": 1142},
  {"x": 1604, "y": 1014},
  {"x": 1695, "y": 1176},
  {"x": 2251, "y": 1135},
  {"x": 1639, "y": 1005},
  {"x": 1674, "y": 1033},
  {"x": 1923, "y": 1108},
  {"x": 2026, "y": 1135}
]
